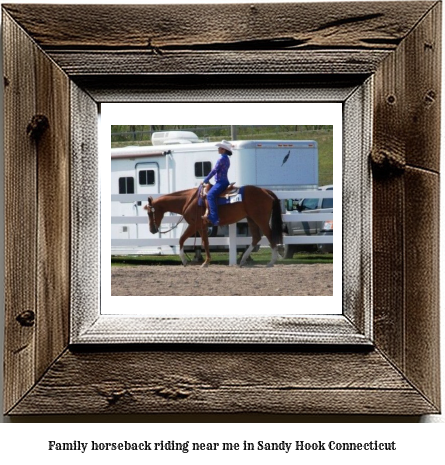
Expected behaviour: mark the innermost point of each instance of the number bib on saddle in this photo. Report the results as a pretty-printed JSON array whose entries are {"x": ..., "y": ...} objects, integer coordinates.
[{"x": 238, "y": 197}]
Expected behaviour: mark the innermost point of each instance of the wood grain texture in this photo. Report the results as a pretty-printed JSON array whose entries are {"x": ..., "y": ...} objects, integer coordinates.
[
  {"x": 389, "y": 146},
  {"x": 388, "y": 276},
  {"x": 216, "y": 87},
  {"x": 356, "y": 222},
  {"x": 106, "y": 329},
  {"x": 164, "y": 27},
  {"x": 220, "y": 382},
  {"x": 20, "y": 214},
  {"x": 129, "y": 63},
  {"x": 37, "y": 197},
  {"x": 53, "y": 226},
  {"x": 423, "y": 92},
  {"x": 406, "y": 206},
  {"x": 397, "y": 42},
  {"x": 422, "y": 364},
  {"x": 408, "y": 84},
  {"x": 166, "y": 39},
  {"x": 85, "y": 210}
]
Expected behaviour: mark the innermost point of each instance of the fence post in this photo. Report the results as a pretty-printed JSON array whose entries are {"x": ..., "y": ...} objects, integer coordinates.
[
  {"x": 232, "y": 244},
  {"x": 232, "y": 239}
]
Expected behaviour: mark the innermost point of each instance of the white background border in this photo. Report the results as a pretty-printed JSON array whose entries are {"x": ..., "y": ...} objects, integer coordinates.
[
  {"x": 416, "y": 446},
  {"x": 218, "y": 114}
]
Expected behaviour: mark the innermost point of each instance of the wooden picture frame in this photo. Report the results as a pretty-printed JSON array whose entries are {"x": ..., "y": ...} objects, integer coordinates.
[{"x": 58, "y": 70}]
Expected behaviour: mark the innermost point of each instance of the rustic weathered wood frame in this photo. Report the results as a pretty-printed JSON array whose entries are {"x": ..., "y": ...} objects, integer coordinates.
[
  {"x": 90, "y": 324},
  {"x": 75, "y": 57}
]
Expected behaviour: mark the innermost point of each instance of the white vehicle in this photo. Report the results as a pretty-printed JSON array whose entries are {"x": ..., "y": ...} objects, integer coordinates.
[
  {"x": 310, "y": 205},
  {"x": 182, "y": 162}
]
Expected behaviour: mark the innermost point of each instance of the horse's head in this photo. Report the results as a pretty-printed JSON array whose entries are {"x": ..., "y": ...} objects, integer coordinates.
[{"x": 155, "y": 215}]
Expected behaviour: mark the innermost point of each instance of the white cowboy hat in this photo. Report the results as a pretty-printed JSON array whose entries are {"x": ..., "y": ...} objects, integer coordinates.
[{"x": 225, "y": 145}]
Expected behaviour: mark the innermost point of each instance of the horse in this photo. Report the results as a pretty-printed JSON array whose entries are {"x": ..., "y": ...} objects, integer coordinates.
[{"x": 259, "y": 206}]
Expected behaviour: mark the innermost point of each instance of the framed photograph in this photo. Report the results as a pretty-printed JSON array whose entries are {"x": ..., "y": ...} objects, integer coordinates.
[
  {"x": 67, "y": 352},
  {"x": 143, "y": 296}
]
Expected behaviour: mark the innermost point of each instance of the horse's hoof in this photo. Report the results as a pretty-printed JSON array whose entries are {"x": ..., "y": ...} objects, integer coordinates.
[
  {"x": 270, "y": 265},
  {"x": 183, "y": 257},
  {"x": 204, "y": 265}
]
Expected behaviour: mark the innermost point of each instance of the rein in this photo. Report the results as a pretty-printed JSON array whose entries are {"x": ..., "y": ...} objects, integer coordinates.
[
  {"x": 171, "y": 229},
  {"x": 182, "y": 217}
]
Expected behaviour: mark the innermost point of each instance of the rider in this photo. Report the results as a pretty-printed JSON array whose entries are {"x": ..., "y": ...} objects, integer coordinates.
[{"x": 221, "y": 180}]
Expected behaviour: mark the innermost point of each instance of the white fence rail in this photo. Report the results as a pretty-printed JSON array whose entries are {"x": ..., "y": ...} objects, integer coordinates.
[{"x": 232, "y": 241}]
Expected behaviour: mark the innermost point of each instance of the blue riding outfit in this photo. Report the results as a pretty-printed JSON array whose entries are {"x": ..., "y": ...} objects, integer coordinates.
[{"x": 221, "y": 183}]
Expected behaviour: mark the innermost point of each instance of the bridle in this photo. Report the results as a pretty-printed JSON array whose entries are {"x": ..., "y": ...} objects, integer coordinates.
[{"x": 151, "y": 209}]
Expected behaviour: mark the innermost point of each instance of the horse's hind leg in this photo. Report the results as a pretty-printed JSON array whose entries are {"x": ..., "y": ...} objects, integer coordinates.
[
  {"x": 264, "y": 225},
  {"x": 275, "y": 257},
  {"x": 256, "y": 237}
]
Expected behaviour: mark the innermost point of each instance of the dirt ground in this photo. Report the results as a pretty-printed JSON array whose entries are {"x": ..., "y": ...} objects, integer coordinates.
[{"x": 222, "y": 280}]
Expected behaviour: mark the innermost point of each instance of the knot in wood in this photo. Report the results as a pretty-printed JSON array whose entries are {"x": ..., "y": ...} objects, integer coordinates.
[
  {"x": 172, "y": 393},
  {"x": 430, "y": 97},
  {"x": 37, "y": 126},
  {"x": 387, "y": 163},
  {"x": 114, "y": 397},
  {"x": 26, "y": 318}
]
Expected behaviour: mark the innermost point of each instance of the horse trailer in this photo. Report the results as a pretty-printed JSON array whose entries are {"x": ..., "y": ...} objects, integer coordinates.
[{"x": 177, "y": 160}]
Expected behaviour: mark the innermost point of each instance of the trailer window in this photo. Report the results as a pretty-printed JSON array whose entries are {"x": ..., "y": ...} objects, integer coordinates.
[
  {"x": 126, "y": 185},
  {"x": 146, "y": 177},
  {"x": 202, "y": 168}
]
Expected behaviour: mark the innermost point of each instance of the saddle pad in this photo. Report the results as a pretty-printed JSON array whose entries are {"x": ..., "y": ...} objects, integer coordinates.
[
  {"x": 233, "y": 199},
  {"x": 223, "y": 200}
]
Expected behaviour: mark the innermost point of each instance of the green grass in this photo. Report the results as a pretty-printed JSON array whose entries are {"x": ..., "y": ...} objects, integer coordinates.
[
  {"x": 324, "y": 138},
  {"x": 261, "y": 257}
]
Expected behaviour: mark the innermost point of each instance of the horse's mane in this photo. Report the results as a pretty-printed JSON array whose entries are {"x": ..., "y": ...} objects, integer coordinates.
[{"x": 180, "y": 193}]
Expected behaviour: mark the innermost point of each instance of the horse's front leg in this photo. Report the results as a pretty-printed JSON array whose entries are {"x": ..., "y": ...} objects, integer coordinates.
[
  {"x": 205, "y": 243},
  {"x": 185, "y": 235}
]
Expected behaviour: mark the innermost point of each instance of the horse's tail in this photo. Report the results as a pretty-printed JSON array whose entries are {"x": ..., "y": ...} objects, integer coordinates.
[{"x": 276, "y": 220}]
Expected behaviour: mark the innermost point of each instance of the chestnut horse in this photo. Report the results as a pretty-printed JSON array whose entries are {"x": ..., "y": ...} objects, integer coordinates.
[{"x": 259, "y": 206}]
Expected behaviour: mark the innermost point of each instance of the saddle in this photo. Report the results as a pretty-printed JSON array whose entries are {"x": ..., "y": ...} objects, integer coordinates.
[{"x": 229, "y": 192}]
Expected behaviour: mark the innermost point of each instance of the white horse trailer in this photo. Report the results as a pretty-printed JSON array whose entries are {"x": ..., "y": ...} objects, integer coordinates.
[{"x": 182, "y": 162}]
